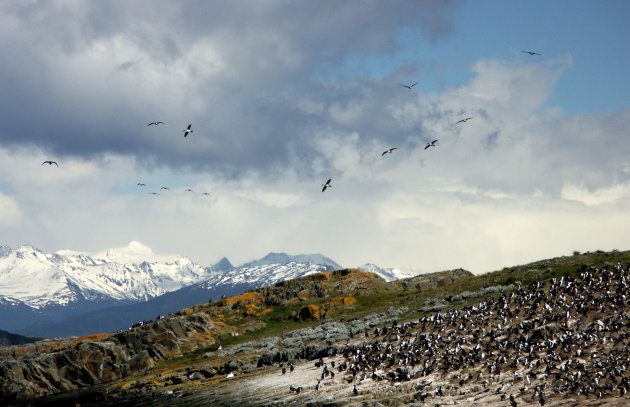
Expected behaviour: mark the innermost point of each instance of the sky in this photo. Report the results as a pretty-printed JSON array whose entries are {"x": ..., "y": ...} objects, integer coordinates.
[{"x": 283, "y": 95}]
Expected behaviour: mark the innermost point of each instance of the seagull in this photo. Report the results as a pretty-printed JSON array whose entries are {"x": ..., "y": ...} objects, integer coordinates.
[
  {"x": 327, "y": 185},
  {"x": 153, "y": 193},
  {"x": 431, "y": 144},
  {"x": 165, "y": 188},
  {"x": 531, "y": 52},
  {"x": 464, "y": 120},
  {"x": 141, "y": 184},
  {"x": 205, "y": 193},
  {"x": 156, "y": 123},
  {"x": 188, "y": 130},
  {"x": 189, "y": 190},
  {"x": 389, "y": 151},
  {"x": 409, "y": 86},
  {"x": 50, "y": 163}
]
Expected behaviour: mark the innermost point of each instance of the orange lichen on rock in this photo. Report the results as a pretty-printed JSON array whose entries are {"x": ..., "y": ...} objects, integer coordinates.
[
  {"x": 250, "y": 310},
  {"x": 345, "y": 301},
  {"x": 336, "y": 303},
  {"x": 310, "y": 311},
  {"x": 92, "y": 337},
  {"x": 263, "y": 312},
  {"x": 250, "y": 297},
  {"x": 304, "y": 295}
]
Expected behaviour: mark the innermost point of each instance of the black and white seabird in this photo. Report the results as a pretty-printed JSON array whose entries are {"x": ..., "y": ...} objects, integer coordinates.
[
  {"x": 464, "y": 120},
  {"x": 165, "y": 188},
  {"x": 188, "y": 130},
  {"x": 389, "y": 151},
  {"x": 50, "y": 163},
  {"x": 327, "y": 184},
  {"x": 431, "y": 144},
  {"x": 531, "y": 52},
  {"x": 154, "y": 123},
  {"x": 140, "y": 184},
  {"x": 409, "y": 86}
]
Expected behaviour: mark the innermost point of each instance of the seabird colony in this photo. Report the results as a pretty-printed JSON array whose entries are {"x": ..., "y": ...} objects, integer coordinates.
[{"x": 567, "y": 337}]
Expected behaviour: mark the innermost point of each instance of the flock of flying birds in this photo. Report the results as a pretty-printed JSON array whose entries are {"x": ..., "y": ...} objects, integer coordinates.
[
  {"x": 187, "y": 131},
  {"x": 430, "y": 144}
]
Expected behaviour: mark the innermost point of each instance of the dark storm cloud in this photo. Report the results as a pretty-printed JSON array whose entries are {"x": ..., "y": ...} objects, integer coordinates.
[{"x": 85, "y": 78}]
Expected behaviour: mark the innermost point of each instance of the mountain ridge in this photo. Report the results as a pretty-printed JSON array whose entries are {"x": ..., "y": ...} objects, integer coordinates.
[
  {"x": 76, "y": 293},
  {"x": 283, "y": 258}
]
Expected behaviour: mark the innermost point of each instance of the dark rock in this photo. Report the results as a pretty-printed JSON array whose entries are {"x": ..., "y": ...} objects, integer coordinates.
[
  {"x": 196, "y": 376},
  {"x": 208, "y": 372}
]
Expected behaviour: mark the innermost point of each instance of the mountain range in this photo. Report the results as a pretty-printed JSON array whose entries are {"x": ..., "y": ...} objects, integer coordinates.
[{"x": 69, "y": 293}]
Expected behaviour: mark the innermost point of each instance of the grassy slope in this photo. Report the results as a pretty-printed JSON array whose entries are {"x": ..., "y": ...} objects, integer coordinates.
[{"x": 277, "y": 321}]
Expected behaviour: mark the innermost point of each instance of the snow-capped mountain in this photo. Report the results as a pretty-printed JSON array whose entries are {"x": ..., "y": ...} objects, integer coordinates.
[
  {"x": 40, "y": 280},
  {"x": 283, "y": 258},
  {"x": 389, "y": 274},
  {"x": 230, "y": 282},
  {"x": 245, "y": 278}
]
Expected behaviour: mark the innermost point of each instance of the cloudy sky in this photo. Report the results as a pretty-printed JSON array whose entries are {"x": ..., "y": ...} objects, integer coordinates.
[{"x": 283, "y": 95}]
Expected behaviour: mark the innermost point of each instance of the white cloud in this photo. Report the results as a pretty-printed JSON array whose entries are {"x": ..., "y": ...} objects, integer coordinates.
[
  {"x": 10, "y": 212},
  {"x": 599, "y": 197},
  {"x": 520, "y": 181}
]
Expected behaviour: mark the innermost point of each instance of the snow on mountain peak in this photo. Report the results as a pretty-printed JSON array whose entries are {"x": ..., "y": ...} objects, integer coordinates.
[
  {"x": 283, "y": 258},
  {"x": 38, "y": 279},
  {"x": 389, "y": 274},
  {"x": 134, "y": 253}
]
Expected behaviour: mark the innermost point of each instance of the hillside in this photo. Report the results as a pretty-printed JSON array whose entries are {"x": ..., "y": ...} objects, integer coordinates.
[{"x": 553, "y": 331}]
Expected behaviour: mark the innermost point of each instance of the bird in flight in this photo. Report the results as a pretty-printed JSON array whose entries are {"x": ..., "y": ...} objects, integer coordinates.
[
  {"x": 188, "y": 190},
  {"x": 165, "y": 188},
  {"x": 153, "y": 193},
  {"x": 205, "y": 193},
  {"x": 141, "y": 184},
  {"x": 188, "y": 130},
  {"x": 464, "y": 120},
  {"x": 156, "y": 123},
  {"x": 389, "y": 151},
  {"x": 409, "y": 86},
  {"x": 327, "y": 184},
  {"x": 50, "y": 163},
  {"x": 431, "y": 144},
  {"x": 531, "y": 52}
]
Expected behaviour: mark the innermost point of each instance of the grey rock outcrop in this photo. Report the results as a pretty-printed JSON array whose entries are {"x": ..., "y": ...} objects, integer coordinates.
[{"x": 69, "y": 366}]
